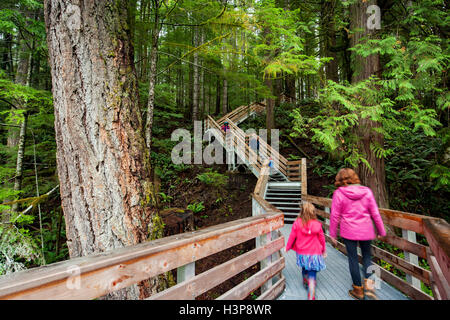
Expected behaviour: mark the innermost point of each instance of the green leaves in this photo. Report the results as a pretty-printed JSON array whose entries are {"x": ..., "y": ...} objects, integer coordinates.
[
  {"x": 441, "y": 175},
  {"x": 213, "y": 178},
  {"x": 196, "y": 207},
  {"x": 423, "y": 119},
  {"x": 23, "y": 98},
  {"x": 18, "y": 250}
]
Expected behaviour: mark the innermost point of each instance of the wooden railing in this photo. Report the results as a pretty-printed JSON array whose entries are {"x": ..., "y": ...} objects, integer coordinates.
[
  {"x": 235, "y": 143},
  {"x": 290, "y": 169},
  {"x": 437, "y": 233},
  {"x": 293, "y": 170},
  {"x": 94, "y": 276},
  {"x": 242, "y": 112},
  {"x": 261, "y": 184}
]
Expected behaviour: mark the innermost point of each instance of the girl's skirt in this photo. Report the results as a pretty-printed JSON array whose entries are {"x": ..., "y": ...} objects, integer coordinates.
[{"x": 311, "y": 262}]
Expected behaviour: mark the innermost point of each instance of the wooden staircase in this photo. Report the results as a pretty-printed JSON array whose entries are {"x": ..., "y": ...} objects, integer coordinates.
[
  {"x": 284, "y": 182},
  {"x": 286, "y": 197}
]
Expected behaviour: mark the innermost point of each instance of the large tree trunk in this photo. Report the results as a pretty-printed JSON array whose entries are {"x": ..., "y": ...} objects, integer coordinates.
[
  {"x": 364, "y": 68},
  {"x": 103, "y": 164}
]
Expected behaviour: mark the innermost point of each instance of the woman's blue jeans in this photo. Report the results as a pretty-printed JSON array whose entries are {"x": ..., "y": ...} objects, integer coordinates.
[{"x": 353, "y": 262}]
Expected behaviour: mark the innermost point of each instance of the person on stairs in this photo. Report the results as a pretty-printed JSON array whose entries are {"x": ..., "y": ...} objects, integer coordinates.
[
  {"x": 308, "y": 241},
  {"x": 353, "y": 209},
  {"x": 225, "y": 127}
]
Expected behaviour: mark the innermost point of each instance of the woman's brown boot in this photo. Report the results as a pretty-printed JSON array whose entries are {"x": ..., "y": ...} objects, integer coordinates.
[
  {"x": 357, "y": 292},
  {"x": 369, "y": 289}
]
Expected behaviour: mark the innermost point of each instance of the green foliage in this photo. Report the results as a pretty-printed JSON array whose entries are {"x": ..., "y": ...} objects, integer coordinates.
[
  {"x": 417, "y": 177},
  {"x": 164, "y": 197},
  {"x": 196, "y": 207},
  {"x": 18, "y": 250},
  {"x": 213, "y": 178}
]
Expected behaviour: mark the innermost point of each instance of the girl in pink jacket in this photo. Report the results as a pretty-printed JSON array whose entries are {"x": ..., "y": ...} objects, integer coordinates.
[
  {"x": 354, "y": 208},
  {"x": 308, "y": 241}
]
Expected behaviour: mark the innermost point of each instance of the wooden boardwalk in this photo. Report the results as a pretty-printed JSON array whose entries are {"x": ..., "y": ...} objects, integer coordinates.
[{"x": 333, "y": 283}]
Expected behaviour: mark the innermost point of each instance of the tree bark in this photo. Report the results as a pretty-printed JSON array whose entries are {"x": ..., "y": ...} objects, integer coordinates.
[
  {"x": 270, "y": 106},
  {"x": 19, "y": 162},
  {"x": 329, "y": 38},
  {"x": 21, "y": 77},
  {"x": 217, "y": 96},
  {"x": 364, "y": 68},
  {"x": 225, "y": 97},
  {"x": 152, "y": 80},
  {"x": 102, "y": 160},
  {"x": 196, "y": 89}
]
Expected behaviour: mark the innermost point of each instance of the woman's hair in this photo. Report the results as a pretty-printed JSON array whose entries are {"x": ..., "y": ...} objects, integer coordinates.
[
  {"x": 308, "y": 213},
  {"x": 345, "y": 177}
]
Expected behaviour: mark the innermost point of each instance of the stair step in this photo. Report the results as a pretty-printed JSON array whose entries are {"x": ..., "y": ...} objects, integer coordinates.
[
  {"x": 284, "y": 194},
  {"x": 286, "y": 185},
  {"x": 273, "y": 198},
  {"x": 284, "y": 203},
  {"x": 285, "y": 210},
  {"x": 294, "y": 191}
]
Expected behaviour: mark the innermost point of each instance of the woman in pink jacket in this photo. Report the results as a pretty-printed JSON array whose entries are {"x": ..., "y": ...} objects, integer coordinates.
[
  {"x": 354, "y": 208},
  {"x": 308, "y": 241}
]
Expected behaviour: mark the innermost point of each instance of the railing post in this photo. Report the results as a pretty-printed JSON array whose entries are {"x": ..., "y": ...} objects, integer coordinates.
[
  {"x": 327, "y": 221},
  {"x": 304, "y": 182},
  {"x": 186, "y": 272},
  {"x": 411, "y": 236},
  {"x": 261, "y": 241},
  {"x": 229, "y": 141}
]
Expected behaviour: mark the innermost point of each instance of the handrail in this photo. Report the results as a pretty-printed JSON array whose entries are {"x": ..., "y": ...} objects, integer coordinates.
[
  {"x": 279, "y": 159},
  {"x": 437, "y": 233},
  {"x": 240, "y": 134},
  {"x": 261, "y": 184},
  {"x": 438, "y": 236},
  {"x": 106, "y": 272},
  {"x": 283, "y": 160},
  {"x": 237, "y": 114}
]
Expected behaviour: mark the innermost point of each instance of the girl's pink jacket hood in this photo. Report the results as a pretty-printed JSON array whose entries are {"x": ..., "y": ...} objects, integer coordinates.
[
  {"x": 307, "y": 239},
  {"x": 354, "y": 208}
]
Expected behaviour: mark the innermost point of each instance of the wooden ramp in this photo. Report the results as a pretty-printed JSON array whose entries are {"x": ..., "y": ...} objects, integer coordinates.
[{"x": 333, "y": 283}]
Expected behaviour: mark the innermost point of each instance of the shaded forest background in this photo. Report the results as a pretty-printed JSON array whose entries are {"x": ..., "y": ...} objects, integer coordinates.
[{"x": 199, "y": 58}]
